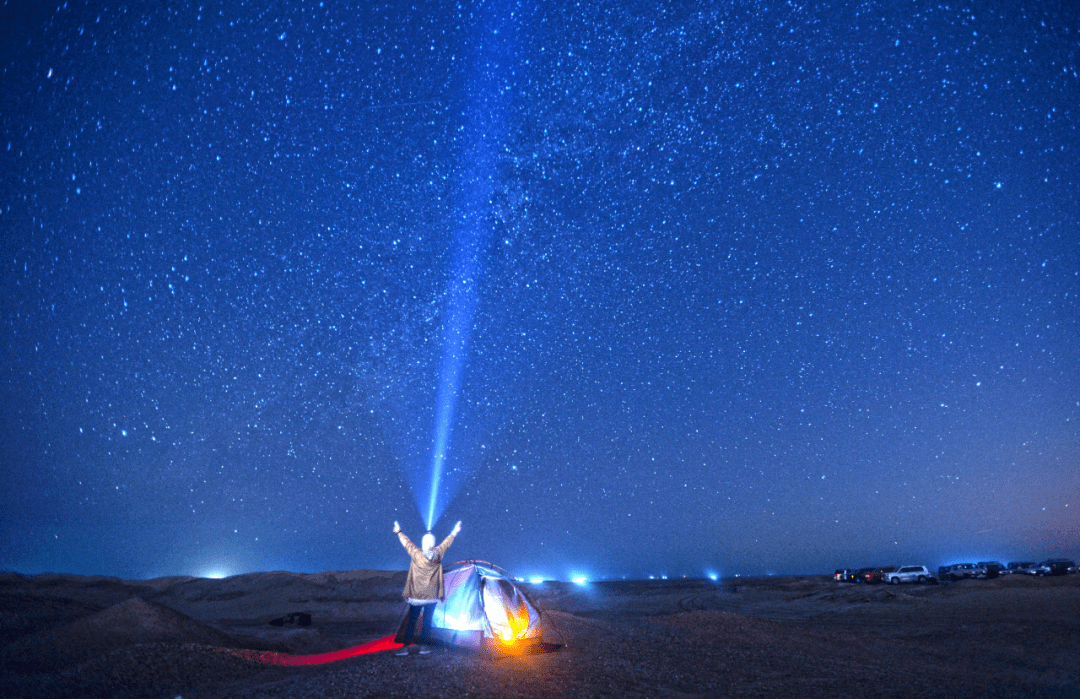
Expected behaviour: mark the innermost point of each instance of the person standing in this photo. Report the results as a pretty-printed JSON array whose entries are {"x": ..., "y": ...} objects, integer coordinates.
[{"x": 424, "y": 587}]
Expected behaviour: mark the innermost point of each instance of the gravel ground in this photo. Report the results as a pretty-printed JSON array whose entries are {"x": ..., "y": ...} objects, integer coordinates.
[{"x": 776, "y": 637}]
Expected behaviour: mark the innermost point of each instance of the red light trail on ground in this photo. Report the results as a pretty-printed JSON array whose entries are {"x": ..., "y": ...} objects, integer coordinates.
[{"x": 267, "y": 657}]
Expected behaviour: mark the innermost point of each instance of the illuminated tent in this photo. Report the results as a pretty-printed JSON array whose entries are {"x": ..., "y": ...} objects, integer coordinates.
[{"x": 483, "y": 610}]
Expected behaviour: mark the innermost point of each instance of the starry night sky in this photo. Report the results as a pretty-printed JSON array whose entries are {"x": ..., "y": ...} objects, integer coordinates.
[{"x": 756, "y": 287}]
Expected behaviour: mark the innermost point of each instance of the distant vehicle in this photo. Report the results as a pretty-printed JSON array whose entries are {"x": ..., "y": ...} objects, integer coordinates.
[
  {"x": 943, "y": 573},
  {"x": 874, "y": 576},
  {"x": 917, "y": 574},
  {"x": 1074, "y": 569},
  {"x": 861, "y": 573},
  {"x": 845, "y": 575},
  {"x": 962, "y": 571},
  {"x": 1022, "y": 568},
  {"x": 989, "y": 569},
  {"x": 1055, "y": 566}
]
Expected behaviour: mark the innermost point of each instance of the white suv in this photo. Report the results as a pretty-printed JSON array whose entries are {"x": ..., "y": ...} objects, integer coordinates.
[{"x": 917, "y": 574}]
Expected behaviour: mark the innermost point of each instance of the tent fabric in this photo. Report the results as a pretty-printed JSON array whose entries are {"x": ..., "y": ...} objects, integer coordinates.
[{"x": 483, "y": 610}]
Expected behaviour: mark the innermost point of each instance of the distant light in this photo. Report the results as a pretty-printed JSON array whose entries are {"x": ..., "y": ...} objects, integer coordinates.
[
  {"x": 536, "y": 581},
  {"x": 215, "y": 574},
  {"x": 714, "y": 577},
  {"x": 580, "y": 580}
]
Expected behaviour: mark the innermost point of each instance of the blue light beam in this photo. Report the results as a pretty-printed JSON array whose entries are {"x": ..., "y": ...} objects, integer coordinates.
[
  {"x": 457, "y": 333},
  {"x": 487, "y": 98}
]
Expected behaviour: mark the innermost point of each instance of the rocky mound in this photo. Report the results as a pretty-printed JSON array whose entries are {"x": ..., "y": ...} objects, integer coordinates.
[{"x": 133, "y": 622}]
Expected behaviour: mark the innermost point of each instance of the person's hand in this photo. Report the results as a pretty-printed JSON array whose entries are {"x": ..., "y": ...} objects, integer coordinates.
[
  {"x": 397, "y": 527},
  {"x": 457, "y": 529}
]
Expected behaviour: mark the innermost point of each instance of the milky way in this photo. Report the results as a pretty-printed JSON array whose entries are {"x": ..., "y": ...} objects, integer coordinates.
[{"x": 760, "y": 289}]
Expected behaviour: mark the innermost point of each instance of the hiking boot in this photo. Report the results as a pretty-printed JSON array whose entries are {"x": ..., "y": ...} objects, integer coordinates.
[
  {"x": 402, "y": 651},
  {"x": 424, "y": 650}
]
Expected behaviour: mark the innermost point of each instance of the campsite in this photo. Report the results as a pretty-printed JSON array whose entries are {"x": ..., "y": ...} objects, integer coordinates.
[{"x": 1015, "y": 636}]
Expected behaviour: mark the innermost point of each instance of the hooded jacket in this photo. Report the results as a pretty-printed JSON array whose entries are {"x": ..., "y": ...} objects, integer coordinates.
[{"x": 425, "y": 579}]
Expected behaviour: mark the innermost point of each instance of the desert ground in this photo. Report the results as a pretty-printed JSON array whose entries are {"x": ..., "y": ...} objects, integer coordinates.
[{"x": 1016, "y": 636}]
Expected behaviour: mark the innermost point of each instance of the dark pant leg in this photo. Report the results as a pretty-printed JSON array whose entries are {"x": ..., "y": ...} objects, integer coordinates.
[
  {"x": 429, "y": 613},
  {"x": 410, "y": 626}
]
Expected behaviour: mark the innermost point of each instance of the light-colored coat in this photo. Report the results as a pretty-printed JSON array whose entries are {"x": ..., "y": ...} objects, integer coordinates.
[{"x": 425, "y": 575}]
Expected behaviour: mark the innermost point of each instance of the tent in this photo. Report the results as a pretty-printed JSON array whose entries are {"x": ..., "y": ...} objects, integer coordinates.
[{"x": 483, "y": 610}]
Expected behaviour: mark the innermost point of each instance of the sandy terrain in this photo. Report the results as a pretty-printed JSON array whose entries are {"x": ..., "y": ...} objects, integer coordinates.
[{"x": 68, "y": 636}]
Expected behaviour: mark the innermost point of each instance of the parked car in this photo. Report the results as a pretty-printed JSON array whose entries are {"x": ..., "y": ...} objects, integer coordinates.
[
  {"x": 989, "y": 569},
  {"x": 917, "y": 574},
  {"x": 845, "y": 575},
  {"x": 874, "y": 576},
  {"x": 1054, "y": 566},
  {"x": 861, "y": 573},
  {"x": 962, "y": 571},
  {"x": 1022, "y": 568},
  {"x": 943, "y": 573}
]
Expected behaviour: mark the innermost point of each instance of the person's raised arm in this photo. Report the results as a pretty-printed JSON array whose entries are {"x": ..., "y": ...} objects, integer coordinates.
[
  {"x": 450, "y": 539},
  {"x": 409, "y": 546}
]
